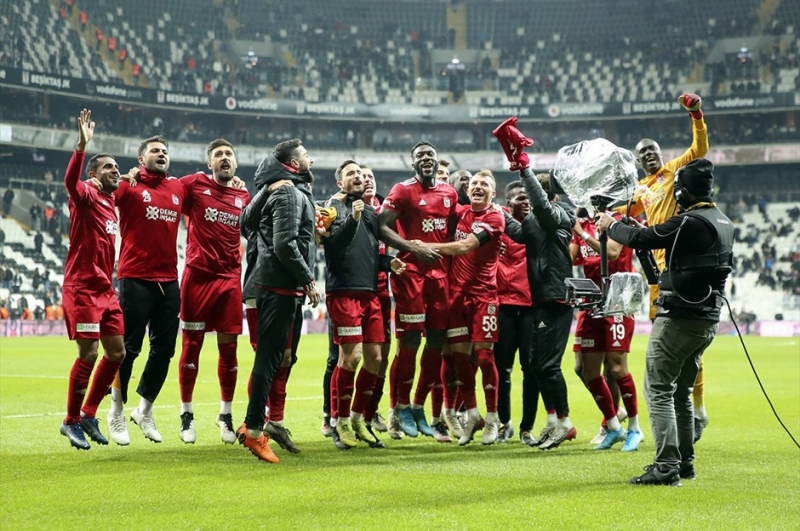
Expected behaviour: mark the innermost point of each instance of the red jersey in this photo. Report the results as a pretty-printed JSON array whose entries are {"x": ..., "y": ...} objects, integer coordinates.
[
  {"x": 214, "y": 235},
  {"x": 92, "y": 231},
  {"x": 423, "y": 215},
  {"x": 590, "y": 259},
  {"x": 512, "y": 275},
  {"x": 476, "y": 272},
  {"x": 149, "y": 218}
]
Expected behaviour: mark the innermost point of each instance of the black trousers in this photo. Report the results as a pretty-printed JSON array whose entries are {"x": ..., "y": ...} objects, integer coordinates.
[
  {"x": 278, "y": 315},
  {"x": 551, "y": 324},
  {"x": 333, "y": 359},
  {"x": 152, "y": 306},
  {"x": 516, "y": 334}
]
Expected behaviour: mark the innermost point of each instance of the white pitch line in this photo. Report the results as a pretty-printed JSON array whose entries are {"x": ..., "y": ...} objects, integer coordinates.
[{"x": 170, "y": 406}]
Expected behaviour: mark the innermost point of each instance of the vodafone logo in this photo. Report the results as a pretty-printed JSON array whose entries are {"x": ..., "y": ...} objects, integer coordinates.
[
  {"x": 553, "y": 111},
  {"x": 230, "y": 103}
]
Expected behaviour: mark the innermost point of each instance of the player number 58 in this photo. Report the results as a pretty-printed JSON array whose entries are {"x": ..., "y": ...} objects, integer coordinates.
[{"x": 489, "y": 323}]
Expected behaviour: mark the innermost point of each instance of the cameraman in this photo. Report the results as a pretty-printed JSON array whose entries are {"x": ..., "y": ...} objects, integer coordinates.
[{"x": 698, "y": 263}]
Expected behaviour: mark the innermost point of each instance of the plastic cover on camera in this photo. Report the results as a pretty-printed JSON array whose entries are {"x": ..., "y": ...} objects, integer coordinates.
[
  {"x": 595, "y": 168},
  {"x": 625, "y": 294}
]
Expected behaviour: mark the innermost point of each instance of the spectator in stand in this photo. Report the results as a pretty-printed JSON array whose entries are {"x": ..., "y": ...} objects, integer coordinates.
[
  {"x": 2, "y": 246},
  {"x": 8, "y": 198},
  {"x": 4, "y": 313},
  {"x": 36, "y": 217},
  {"x": 38, "y": 240},
  {"x": 8, "y": 278}
]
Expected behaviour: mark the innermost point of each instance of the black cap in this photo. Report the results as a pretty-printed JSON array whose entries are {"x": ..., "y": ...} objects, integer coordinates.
[{"x": 697, "y": 177}]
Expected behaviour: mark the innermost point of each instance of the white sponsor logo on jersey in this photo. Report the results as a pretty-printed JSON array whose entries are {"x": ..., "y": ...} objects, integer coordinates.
[
  {"x": 220, "y": 216},
  {"x": 87, "y": 327},
  {"x": 193, "y": 326},
  {"x": 348, "y": 330},
  {"x": 164, "y": 214},
  {"x": 111, "y": 226},
  {"x": 432, "y": 224}
]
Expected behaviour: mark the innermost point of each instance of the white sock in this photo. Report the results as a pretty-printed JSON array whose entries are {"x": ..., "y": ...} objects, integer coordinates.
[
  {"x": 225, "y": 408},
  {"x": 186, "y": 407},
  {"x": 255, "y": 434},
  {"x": 145, "y": 406},
  {"x": 613, "y": 423},
  {"x": 333, "y": 421},
  {"x": 344, "y": 419},
  {"x": 621, "y": 413},
  {"x": 633, "y": 423},
  {"x": 552, "y": 420},
  {"x": 700, "y": 412},
  {"x": 277, "y": 423},
  {"x": 416, "y": 406},
  {"x": 450, "y": 411},
  {"x": 356, "y": 416},
  {"x": 567, "y": 424},
  {"x": 400, "y": 406},
  {"x": 116, "y": 402},
  {"x": 491, "y": 417}
]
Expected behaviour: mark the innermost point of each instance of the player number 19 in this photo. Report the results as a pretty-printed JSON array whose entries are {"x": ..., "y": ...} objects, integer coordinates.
[
  {"x": 618, "y": 331},
  {"x": 489, "y": 323}
]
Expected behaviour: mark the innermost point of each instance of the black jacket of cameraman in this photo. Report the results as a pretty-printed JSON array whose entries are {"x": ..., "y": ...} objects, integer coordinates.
[
  {"x": 699, "y": 256},
  {"x": 546, "y": 233}
]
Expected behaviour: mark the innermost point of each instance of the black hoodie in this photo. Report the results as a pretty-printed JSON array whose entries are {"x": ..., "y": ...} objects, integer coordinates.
[{"x": 282, "y": 225}]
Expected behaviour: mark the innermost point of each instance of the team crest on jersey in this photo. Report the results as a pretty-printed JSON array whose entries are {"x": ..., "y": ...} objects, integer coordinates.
[
  {"x": 660, "y": 178},
  {"x": 491, "y": 309},
  {"x": 238, "y": 202},
  {"x": 447, "y": 202},
  {"x": 146, "y": 196},
  {"x": 175, "y": 200}
]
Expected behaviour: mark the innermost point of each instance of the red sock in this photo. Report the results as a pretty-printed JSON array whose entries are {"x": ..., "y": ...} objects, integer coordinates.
[
  {"x": 602, "y": 395},
  {"x": 277, "y": 394},
  {"x": 406, "y": 360},
  {"x": 437, "y": 399},
  {"x": 334, "y": 393},
  {"x": 103, "y": 376},
  {"x": 190, "y": 359},
  {"x": 628, "y": 391},
  {"x": 490, "y": 378},
  {"x": 78, "y": 383},
  {"x": 227, "y": 370},
  {"x": 252, "y": 325},
  {"x": 430, "y": 364},
  {"x": 365, "y": 387},
  {"x": 466, "y": 379},
  {"x": 345, "y": 384},
  {"x": 393, "y": 383},
  {"x": 375, "y": 399}
]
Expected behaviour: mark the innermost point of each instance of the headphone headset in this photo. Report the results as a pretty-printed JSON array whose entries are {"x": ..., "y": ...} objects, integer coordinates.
[{"x": 679, "y": 192}]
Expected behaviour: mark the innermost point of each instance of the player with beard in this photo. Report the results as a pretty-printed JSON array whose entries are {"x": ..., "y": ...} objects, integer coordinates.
[
  {"x": 211, "y": 290},
  {"x": 460, "y": 181},
  {"x": 472, "y": 320},
  {"x": 353, "y": 261},
  {"x": 420, "y": 208},
  {"x": 654, "y": 198},
  {"x": 91, "y": 309},
  {"x": 284, "y": 221},
  {"x": 149, "y": 214},
  {"x": 605, "y": 340},
  {"x": 515, "y": 322}
]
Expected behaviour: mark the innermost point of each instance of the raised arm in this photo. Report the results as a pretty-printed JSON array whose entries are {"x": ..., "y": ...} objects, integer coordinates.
[{"x": 72, "y": 181}]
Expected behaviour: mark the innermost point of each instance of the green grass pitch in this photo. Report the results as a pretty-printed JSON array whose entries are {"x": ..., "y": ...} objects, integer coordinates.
[{"x": 748, "y": 468}]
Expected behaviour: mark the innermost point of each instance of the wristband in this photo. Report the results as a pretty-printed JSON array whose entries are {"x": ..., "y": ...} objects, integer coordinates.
[{"x": 584, "y": 235}]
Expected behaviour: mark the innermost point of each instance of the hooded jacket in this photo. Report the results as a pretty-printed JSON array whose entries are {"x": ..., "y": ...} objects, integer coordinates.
[
  {"x": 546, "y": 233},
  {"x": 283, "y": 223}
]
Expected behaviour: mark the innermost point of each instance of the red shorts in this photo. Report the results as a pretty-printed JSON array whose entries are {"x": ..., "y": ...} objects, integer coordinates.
[
  {"x": 211, "y": 303},
  {"x": 90, "y": 314},
  {"x": 472, "y": 319},
  {"x": 604, "y": 334},
  {"x": 419, "y": 302},
  {"x": 356, "y": 317}
]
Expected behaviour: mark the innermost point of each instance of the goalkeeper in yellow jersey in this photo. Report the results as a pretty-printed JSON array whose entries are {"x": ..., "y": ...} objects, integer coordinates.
[{"x": 654, "y": 197}]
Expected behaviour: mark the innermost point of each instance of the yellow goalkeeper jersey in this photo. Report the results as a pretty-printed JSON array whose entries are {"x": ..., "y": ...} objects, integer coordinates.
[{"x": 653, "y": 194}]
